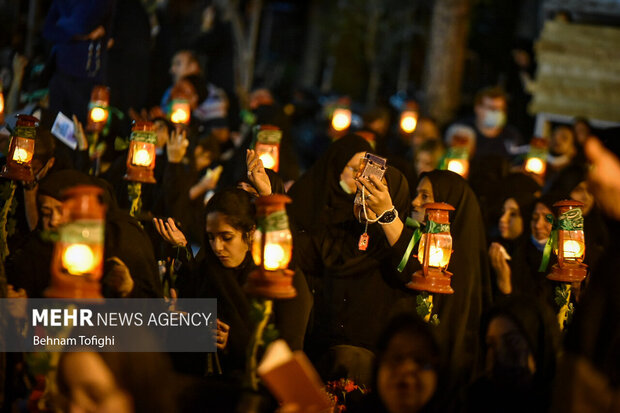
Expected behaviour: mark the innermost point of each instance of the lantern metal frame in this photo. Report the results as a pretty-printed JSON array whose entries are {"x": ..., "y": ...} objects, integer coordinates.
[
  {"x": 432, "y": 279},
  {"x": 270, "y": 284},
  {"x": 81, "y": 206},
  {"x": 563, "y": 271},
  {"x": 142, "y": 133},
  {"x": 25, "y": 135}
]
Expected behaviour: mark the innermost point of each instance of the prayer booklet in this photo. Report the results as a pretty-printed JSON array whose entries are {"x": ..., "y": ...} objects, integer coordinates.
[{"x": 292, "y": 379}]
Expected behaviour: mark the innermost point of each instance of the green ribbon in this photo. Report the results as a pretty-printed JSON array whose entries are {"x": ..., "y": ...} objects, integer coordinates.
[
  {"x": 417, "y": 234},
  {"x": 433, "y": 227},
  {"x": 571, "y": 220}
]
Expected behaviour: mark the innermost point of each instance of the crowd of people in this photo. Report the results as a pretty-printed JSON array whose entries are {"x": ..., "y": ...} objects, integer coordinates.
[{"x": 494, "y": 344}]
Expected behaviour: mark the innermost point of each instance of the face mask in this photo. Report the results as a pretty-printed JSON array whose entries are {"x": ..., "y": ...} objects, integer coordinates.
[
  {"x": 494, "y": 119},
  {"x": 345, "y": 187}
]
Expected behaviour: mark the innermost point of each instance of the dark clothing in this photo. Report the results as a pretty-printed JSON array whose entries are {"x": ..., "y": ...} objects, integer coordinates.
[
  {"x": 501, "y": 145},
  {"x": 29, "y": 266},
  {"x": 351, "y": 288},
  {"x": 234, "y": 307}
]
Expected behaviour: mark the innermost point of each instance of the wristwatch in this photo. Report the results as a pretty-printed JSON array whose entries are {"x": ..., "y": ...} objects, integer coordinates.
[{"x": 389, "y": 216}]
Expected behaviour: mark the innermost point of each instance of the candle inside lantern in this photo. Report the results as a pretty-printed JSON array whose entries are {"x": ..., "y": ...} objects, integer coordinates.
[
  {"x": 268, "y": 161},
  {"x": 572, "y": 249},
  {"x": 341, "y": 119},
  {"x": 98, "y": 114},
  {"x": 457, "y": 166},
  {"x": 535, "y": 165},
  {"x": 142, "y": 157},
  {"x": 275, "y": 257},
  {"x": 21, "y": 155},
  {"x": 78, "y": 259},
  {"x": 408, "y": 121},
  {"x": 1, "y": 101},
  {"x": 180, "y": 111},
  {"x": 439, "y": 251},
  {"x": 179, "y": 116}
]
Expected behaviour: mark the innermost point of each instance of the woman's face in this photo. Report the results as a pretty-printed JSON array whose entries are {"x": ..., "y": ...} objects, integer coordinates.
[
  {"x": 424, "y": 196},
  {"x": 541, "y": 228},
  {"x": 228, "y": 243},
  {"x": 562, "y": 142},
  {"x": 511, "y": 222},
  {"x": 582, "y": 194},
  {"x": 91, "y": 386},
  {"x": 406, "y": 379},
  {"x": 424, "y": 162},
  {"x": 347, "y": 176}
]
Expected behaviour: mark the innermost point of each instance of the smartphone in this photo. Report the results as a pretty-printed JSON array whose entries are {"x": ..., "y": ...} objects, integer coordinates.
[{"x": 370, "y": 165}]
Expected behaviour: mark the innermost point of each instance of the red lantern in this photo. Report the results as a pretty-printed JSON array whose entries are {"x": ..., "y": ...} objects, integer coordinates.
[
  {"x": 141, "y": 156},
  {"x": 77, "y": 263},
  {"x": 21, "y": 150},
  {"x": 571, "y": 246},
  {"x": 98, "y": 108},
  {"x": 267, "y": 146},
  {"x": 409, "y": 118},
  {"x": 434, "y": 251},
  {"x": 272, "y": 250}
]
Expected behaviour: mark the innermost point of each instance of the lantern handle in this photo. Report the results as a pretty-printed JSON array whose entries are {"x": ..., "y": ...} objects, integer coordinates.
[{"x": 427, "y": 246}]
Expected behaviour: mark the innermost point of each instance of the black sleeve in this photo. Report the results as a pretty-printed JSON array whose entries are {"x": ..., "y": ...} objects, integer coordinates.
[{"x": 291, "y": 316}]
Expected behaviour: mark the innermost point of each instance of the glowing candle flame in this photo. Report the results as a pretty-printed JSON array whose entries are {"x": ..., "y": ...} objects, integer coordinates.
[
  {"x": 1, "y": 102},
  {"x": 456, "y": 166},
  {"x": 341, "y": 119},
  {"x": 535, "y": 165},
  {"x": 268, "y": 161},
  {"x": 408, "y": 123},
  {"x": 98, "y": 114},
  {"x": 180, "y": 116},
  {"x": 78, "y": 259},
  {"x": 572, "y": 249},
  {"x": 274, "y": 256},
  {"x": 142, "y": 157},
  {"x": 435, "y": 258},
  {"x": 20, "y": 155}
]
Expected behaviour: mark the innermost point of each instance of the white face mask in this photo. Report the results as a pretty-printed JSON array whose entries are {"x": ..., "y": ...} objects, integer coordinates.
[
  {"x": 345, "y": 187},
  {"x": 494, "y": 119}
]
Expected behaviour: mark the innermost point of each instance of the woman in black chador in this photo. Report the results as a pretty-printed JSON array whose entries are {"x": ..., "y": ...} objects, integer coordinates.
[
  {"x": 459, "y": 313},
  {"x": 352, "y": 292},
  {"x": 222, "y": 268}
]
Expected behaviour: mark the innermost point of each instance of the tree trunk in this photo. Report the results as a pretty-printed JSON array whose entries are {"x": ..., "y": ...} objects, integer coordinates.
[
  {"x": 446, "y": 58},
  {"x": 312, "y": 48}
]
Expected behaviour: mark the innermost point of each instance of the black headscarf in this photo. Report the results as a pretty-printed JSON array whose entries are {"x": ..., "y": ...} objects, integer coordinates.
[
  {"x": 317, "y": 195},
  {"x": 459, "y": 313}
]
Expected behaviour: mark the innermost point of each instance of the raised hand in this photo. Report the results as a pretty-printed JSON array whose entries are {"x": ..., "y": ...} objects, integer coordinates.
[
  {"x": 256, "y": 173},
  {"x": 222, "y": 334},
  {"x": 169, "y": 232},
  {"x": 78, "y": 133},
  {"x": 177, "y": 146}
]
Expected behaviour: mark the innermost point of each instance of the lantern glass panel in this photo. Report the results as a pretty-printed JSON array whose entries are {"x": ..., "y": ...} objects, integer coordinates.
[
  {"x": 573, "y": 246},
  {"x": 459, "y": 166},
  {"x": 143, "y": 153},
  {"x": 439, "y": 251},
  {"x": 268, "y": 154},
  {"x": 278, "y": 249},
  {"x": 81, "y": 246},
  {"x": 24, "y": 150}
]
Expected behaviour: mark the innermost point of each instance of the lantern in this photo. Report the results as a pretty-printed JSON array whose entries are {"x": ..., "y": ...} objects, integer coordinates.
[
  {"x": 141, "y": 156},
  {"x": 434, "y": 251},
  {"x": 77, "y": 262},
  {"x": 536, "y": 159},
  {"x": 21, "y": 150},
  {"x": 409, "y": 117},
  {"x": 180, "y": 111},
  {"x": 457, "y": 157},
  {"x": 272, "y": 250},
  {"x": 571, "y": 247},
  {"x": 267, "y": 146},
  {"x": 98, "y": 108},
  {"x": 341, "y": 119}
]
